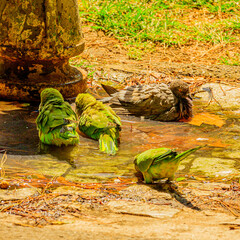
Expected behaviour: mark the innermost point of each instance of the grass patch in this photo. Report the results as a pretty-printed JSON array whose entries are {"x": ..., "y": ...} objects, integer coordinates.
[
  {"x": 230, "y": 60},
  {"x": 82, "y": 63},
  {"x": 166, "y": 23}
]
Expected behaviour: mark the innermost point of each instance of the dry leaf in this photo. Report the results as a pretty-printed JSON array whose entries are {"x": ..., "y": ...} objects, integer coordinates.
[
  {"x": 4, "y": 185},
  {"x": 207, "y": 118}
]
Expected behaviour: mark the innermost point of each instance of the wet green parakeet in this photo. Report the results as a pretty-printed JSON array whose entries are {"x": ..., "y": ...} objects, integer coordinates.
[
  {"x": 99, "y": 122},
  {"x": 56, "y": 122},
  {"x": 160, "y": 163}
]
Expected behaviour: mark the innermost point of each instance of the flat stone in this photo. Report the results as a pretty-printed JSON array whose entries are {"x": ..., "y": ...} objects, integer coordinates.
[
  {"x": 214, "y": 166},
  {"x": 17, "y": 194},
  {"x": 209, "y": 186},
  {"x": 236, "y": 222},
  {"x": 228, "y": 96},
  {"x": 228, "y": 154},
  {"x": 197, "y": 192},
  {"x": 90, "y": 193},
  {"x": 142, "y": 209},
  {"x": 144, "y": 192}
]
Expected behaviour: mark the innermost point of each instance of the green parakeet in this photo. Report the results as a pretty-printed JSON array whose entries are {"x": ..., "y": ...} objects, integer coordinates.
[
  {"x": 160, "y": 163},
  {"x": 98, "y": 121},
  {"x": 56, "y": 122}
]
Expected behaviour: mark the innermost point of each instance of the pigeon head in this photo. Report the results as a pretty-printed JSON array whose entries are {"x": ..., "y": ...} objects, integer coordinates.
[{"x": 180, "y": 89}]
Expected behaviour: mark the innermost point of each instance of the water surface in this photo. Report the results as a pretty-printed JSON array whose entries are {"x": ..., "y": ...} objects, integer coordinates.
[{"x": 85, "y": 163}]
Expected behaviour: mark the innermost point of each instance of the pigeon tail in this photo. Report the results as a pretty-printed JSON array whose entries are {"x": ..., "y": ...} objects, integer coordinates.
[{"x": 109, "y": 90}]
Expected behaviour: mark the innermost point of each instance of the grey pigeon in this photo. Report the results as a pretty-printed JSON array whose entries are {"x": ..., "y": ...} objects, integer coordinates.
[{"x": 155, "y": 101}]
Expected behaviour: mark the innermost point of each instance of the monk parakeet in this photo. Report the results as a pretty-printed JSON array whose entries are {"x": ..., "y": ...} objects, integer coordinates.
[
  {"x": 98, "y": 121},
  {"x": 155, "y": 101},
  {"x": 56, "y": 122},
  {"x": 160, "y": 163}
]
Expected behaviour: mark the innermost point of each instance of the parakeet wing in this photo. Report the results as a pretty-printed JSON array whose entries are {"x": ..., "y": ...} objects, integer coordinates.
[
  {"x": 112, "y": 115},
  {"x": 144, "y": 160},
  {"x": 91, "y": 118},
  {"x": 53, "y": 115},
  {"x": 99, "y": 116},
  {"x": 168, "y": 156},
  {"x": 173, "y": 156}
]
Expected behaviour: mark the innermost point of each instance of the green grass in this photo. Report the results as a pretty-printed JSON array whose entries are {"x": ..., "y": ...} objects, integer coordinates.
[
  {"x": 230, "y": 60},
  {"x": 81, "y": 63},
  {"x": 145, "y": 23}
]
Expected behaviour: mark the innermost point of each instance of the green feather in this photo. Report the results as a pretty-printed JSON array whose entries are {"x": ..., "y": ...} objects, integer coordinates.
[
  {"x": 56, "y": 122},
  {"x": 107, "y": 144},
  {"x": 144, "y": 160},
  {"x": 160, "y": 163},
  {"x": 99, "y": 122}
]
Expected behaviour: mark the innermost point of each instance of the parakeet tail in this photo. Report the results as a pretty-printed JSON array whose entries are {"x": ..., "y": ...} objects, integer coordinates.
[
  {"x": 183, "y": 155},
  {"x": 107, "y": 144},
  {"x": 110, "y": 90}
]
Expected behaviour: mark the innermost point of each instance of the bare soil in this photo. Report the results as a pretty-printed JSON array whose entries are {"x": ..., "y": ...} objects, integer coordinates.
[
  {"x": 194, "y": 60},
  {"x": 187, "y": 225},
  {"x": 136, "y": 212}
]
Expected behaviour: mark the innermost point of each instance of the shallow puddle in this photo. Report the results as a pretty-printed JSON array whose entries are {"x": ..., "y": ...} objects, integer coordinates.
[{"x": 84, "y": 162}]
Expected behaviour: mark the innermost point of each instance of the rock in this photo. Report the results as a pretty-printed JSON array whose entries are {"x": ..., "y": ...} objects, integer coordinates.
[
  {"x": 145, "y": 192},
  {"x": 142, "y": 209},
  {"x": 17, "y": 194},
  {"x": 227, "y": 96},
  {"x": 71, "y": 190},
  {"x": 214, "y": 166},
  {"x": 228, "y": 154}
]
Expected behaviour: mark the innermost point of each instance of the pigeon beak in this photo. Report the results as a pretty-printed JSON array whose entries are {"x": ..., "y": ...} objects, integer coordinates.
[{"x": 189, "y": 96}]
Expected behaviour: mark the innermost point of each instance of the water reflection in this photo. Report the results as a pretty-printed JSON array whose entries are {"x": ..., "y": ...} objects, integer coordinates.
[{"x": 18, "y": 133}]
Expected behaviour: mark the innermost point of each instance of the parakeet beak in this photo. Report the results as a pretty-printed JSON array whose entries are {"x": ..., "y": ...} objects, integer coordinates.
[
  {"x": 70, "y": 135},
  {"x": 68, "y": 121}
]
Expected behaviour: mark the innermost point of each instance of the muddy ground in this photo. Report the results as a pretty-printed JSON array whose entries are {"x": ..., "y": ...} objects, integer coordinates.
[{"x": 137, "y": 211}]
